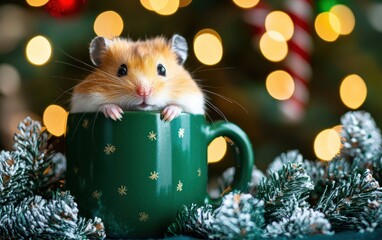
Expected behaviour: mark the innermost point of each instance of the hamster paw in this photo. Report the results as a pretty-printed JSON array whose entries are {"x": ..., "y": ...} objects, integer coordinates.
[
  {"x": 113, "y": 111},
  {"x": 170, "y": 112}
]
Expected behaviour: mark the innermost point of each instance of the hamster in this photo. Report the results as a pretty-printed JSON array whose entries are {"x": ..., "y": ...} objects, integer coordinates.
[{"x": 138, "y": 75}]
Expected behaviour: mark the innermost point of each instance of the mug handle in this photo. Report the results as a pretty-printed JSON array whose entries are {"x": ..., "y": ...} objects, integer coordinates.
[{"x": 243, "y": 151}]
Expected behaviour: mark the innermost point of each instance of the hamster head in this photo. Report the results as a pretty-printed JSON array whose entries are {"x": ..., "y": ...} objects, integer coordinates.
[{"x": 141, "y": 75}]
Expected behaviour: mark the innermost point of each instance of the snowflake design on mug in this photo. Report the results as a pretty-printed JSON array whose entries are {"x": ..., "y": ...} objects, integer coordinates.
[
  {"x": 152, "y": 136},
  {"x": 143, "y": 217}
]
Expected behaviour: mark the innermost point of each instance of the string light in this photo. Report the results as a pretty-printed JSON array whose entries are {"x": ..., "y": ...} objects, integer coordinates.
[
  {"x": 208, "y": 47},
  {"x": 273, "y": 46},
  {"x": 246, "y": 3},
  {"x": 327, "y": 26},
  {"x": 327, "y": 144},
  {"x": 280, "y": 85},
  {"x": 217, "y": 149},
  {"x": 38, "y": 50},
  {"x": 108, "y": 24},
  {"x": 280, "y": 22},
  {"x": 37, "y": 3},
  {"x": 54, "y": 119},
  {"x": 353, "y": 91},
  {"x": 345, "y": 17}
]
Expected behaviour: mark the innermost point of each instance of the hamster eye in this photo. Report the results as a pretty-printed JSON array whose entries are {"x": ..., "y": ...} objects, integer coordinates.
[
  {"x": 122, "y": 70},
  {"x": 161, "y": 70}
]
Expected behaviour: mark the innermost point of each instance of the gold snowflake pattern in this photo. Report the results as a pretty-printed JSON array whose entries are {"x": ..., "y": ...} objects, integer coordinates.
[
  {"x": 122, "y": 190},
  {"x": 96, "y": 194},
  {"x": 109, "y": 149},
  {"x": 179, "y": 187},
  {"x": 154, "y": 175},
  {"x": 199, "y": 172},
  {"x": 143, "y": 217},
  {"x": 85, "y": 123},
  {"x": 152, "y": 136},
  {"x": 181, "y": 133}
]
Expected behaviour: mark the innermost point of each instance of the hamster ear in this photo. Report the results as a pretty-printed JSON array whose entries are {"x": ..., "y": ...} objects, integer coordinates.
[
  {"x": 179, "y": 46},
  {"x": 97, "y": 48}
]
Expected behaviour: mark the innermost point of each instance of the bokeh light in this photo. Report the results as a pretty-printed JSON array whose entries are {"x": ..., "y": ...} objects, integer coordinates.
[
  {"x": 353, "y": 91},
  {"x": 279, "y": 21},
  {"x": 327, "y": 144},
  {"x": 54, "y": 119},
  {"x": 374, "y": 15},
  {"x": 246, "y": 3},
  {"x": 208, "y": 47},
  {"x": 346, "y": 18},
  {"x": 217, "y": 150},
  {"x": 9, "y": 79},
  {"x": 146, "y": 4},
  {"x": 37, "y": 3},
  {"x": 158, "y": 4},
  {"x": 14, "y": 22},
  {"x": 108, "y": 24},
  {"x": 280, "y": 85},
  {"x": 38, "y": 50},
  {"x": 273, "y": 46},
  {"x": 184, "y": 3},
  {"x": 170, "y": 7},
  {"x": 327, "y": 26}
]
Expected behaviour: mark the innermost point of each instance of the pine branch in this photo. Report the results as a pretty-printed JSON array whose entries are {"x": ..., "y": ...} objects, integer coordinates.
[
  {"x": 291, "y": 180},
  {"x": 297, "y": 222},
  {"x": 38, "y": 218},
  {"x": 240, "y": 216},
  {"x": 27, "y": 175},
  {"x": 192, "y": 221},
  {"x": 360, "y": 137},
  {"x": 353, "y": 203},
  {"x": 292, "y": 156}
]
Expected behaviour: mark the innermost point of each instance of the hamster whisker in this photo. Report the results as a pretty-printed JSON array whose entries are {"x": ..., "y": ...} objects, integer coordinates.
[
  {"x": 91, "y": 66},
  {"x": 78, "y": 60},
  {"x": 102, "y": 73},
  {"x": 199, "y": 70},
  {"x": 225, "y": 98},
  {"x": 209, "y": 117},
  {"x": 216, "y": 109}
]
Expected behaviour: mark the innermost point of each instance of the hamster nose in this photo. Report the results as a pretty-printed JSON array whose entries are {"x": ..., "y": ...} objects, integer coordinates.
[{"x": 143, "y": 91}]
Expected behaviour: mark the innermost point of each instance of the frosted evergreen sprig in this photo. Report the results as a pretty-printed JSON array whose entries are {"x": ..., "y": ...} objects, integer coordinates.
[
  {"x": 352, "y": 203},
  {"x": 297, "y": 222},
  {"x": 240, "y": 216},
  {"x": 360, "y": 136},
  {"x": 290, "y": 180},
  {"x": 15, "y": 179},
  {"x": 193, "y": 221},
  {"x": 38, "y": 218},
  {"x": 292, "y": 156}
]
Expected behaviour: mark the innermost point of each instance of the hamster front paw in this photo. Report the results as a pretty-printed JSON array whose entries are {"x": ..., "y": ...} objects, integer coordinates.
[
  {"x": 111, "y": 110},
  {"x": 170, "y": 112}
]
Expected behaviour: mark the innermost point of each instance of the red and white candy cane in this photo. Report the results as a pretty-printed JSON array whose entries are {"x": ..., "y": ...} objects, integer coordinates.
[{"x": 297, "y": 62}]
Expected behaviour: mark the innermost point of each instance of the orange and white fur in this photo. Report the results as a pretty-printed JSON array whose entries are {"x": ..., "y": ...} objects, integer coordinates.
[{"x": 138, "y": 75}]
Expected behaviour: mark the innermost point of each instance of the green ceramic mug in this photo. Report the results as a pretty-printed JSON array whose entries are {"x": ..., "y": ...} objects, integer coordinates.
[{"x": 137, "y": 173}]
